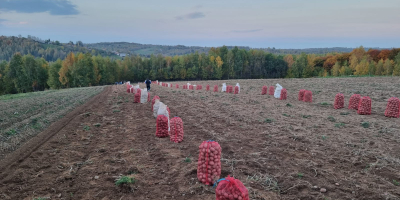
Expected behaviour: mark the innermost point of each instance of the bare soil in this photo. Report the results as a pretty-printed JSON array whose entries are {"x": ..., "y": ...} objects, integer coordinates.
[{"x": 278, "y": 149}]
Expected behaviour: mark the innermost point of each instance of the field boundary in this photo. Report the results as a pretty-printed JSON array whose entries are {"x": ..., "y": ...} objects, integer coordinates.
[{"x": 12, "y": 159}]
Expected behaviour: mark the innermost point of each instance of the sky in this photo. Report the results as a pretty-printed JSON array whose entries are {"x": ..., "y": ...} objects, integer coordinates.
[{"x": 212, "y": 23}]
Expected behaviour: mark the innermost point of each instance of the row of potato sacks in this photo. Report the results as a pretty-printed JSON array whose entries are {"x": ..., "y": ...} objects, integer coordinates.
[
  {"x": 209, "y": 161},
  {"x": 164, "y": 126}
]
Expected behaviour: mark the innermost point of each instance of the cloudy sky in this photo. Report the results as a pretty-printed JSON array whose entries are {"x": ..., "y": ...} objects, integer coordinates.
[{"x": 254, "y": 23}]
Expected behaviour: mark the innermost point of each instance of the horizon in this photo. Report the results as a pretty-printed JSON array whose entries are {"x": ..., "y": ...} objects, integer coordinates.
[{"x": 259, "y": 24}]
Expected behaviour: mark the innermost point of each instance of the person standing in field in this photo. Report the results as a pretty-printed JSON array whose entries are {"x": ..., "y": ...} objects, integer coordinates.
[{"x": 148, "y": 82}]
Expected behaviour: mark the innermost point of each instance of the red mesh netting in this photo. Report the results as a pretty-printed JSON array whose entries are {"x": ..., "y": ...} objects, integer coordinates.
[
  {"x": 271, "y": 90},
  {"x": 177, "y": 86},
  {"x": 364, "y": 107},
  {"x": 354, "y": 101},
  {"x": 339, "y": 101},
  {"x": 301, "y": 94},
  {"x": 283, "y": 94},
  {"x": 209, "y": 163},
  {"x": 190, "y": 87},
  {"x": 207, "y": 87},
  {"x": 230, "y": 188},
  {"x": 153, "y": 102},
  {"x": 229, "y": 89},
  {"x": 162, "y": 126},
  {"x": 264, "y": 90},
  {"x": 236, "y": 89},
  {"x": 136, "y": 99},
  {"x": 307, "y": 96},
  {"x": 184, "y": 87},
  {"x": 148, "y": 96},
  {"x": 199, "y": 87},
  {"x": 169, "y": 112},
  {"x": 128, "y": 90},
  {"x": 215, "y": 88},
  {"x": 393, "y": 108},
  {"x": 176, "y": 130}
]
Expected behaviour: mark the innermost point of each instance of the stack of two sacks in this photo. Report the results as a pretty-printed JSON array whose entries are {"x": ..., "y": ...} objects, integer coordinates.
[{"x": 164, "y": 126}]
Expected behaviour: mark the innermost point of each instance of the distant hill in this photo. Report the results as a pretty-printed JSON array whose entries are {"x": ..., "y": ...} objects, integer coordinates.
[
  {"x": 49, "y": 50},
  {"x": 148, "y": 49}
]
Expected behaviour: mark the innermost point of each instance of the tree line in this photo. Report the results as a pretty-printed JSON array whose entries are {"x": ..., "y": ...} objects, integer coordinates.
[{"x": 25, "y": 73}]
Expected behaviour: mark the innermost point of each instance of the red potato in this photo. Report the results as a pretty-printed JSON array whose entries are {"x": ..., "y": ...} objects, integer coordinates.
[
  {"x": 283, "y": 94},
  {"x": 236, "y": 90},
  {"x": 339, "y": 101},
  {"x": 264, "y": 90},
  {"x": 137, "y": 96},
  {"x": 230, "y": 188},
  {"x": 209, "y": 170},
  {"x": 307, "y": 96},
  {"x": 354, "y": 101},
  {"x": 301, "y": 94},
  {"x": 176, "y": 130},
  {"x": 364, "y": 107},
  {"x": 271, "y": 90},
  {"x": 393, "y": 108},
  {"x": 162, "y": 126}
]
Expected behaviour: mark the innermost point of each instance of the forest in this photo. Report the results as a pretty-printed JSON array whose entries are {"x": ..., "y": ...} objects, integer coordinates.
[{"x": 27, "y": 73}]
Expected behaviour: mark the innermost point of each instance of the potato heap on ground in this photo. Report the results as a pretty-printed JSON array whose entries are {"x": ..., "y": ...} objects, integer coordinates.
[
  {"x": 236, "y": 90},
  {"x": 190, "y": 87},
  {"x": 339, "y": 101},
  {"x": 162, "y": 126},
  {"x": 209, "y": 163},
  {"x": 393, "y": 108},
  {"x": 215, "y": 88},
  {"x": 177, "y": 86},
  {"x": 364, "y": 107},
  {"x": 307, "y": 96},
  {"x": 283, "y": 94},
  {"x": 176, "y": 130},
  {"x": 207, "y": 87},
  {"x": 153, "y": 101},
  {"x": 301, "y": 94},
  {"x": 271, "y": 90},
  {"x": 136, "y": 99},
  {"x": 354, "y": 101},
  {"x": 230, "y": 188},
  {"x": 264, "y": 90}
]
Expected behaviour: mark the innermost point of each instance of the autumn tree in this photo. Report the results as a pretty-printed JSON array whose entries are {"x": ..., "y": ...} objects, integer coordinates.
[
  {"x": 335, "y": 71},
  {"x": 379, "y": 70},
  {"x": 388, "y": 67},
  {"x": 65, "y": 71}
]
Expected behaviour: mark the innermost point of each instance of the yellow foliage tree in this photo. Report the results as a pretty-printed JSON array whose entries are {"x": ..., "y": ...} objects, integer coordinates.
[
  {"x": 65, "y": 69},
  {"x": 219, "y": 61},
  {"x": 335, "y": 71},
  {"x": 289, "y": 60}
]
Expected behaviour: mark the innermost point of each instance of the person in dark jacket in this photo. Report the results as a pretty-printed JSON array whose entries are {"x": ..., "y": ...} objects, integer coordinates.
[{"x": 148, "y": 82}]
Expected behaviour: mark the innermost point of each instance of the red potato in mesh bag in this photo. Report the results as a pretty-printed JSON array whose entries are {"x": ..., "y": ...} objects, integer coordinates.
[
  {"x": 283, "y": 94},
  {"x": 136, "y": 99},
  {"x": 177, "y": 86},
  {"x": 162, "y": 126},
  {"x": 271, "y": 90},
  {"x": 364, "y": 107},
  {"x": 393, "y": 108},
  {"x": 215, "y": 88},
  {"x": 230, "y": 188},
  {"x": 148, "y": 96},
  {"x": 199, "y": 87},
  {"x": 339, "y": 101},
  {"x": 176, "y": 130},
  {"x": 209, "y": 163},
  {"x": 236, "y": 90},
  {"x": 307, "y": 96},
  {"x": 264, "y": 90},
  {"x": 190, "y": 87},
  {"x": 301, "y": 94},
  {"x": 229, "y": 89},
  {"x": 354, "y": 101},
  {"x": 208, "y": 88}
]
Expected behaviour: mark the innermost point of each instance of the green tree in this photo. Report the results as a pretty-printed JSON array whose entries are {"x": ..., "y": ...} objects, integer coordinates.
[
  {"x": 388, "y": 67},
  {"x": 335, "y": 71},
  {"x": 379, "y": 70},
  {"x": 54, "y": 77},
  {"x": 17, "y": 74}
]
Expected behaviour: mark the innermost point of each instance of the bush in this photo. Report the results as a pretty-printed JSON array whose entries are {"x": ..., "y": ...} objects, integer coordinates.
[{"x": 125, "y": 180}]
